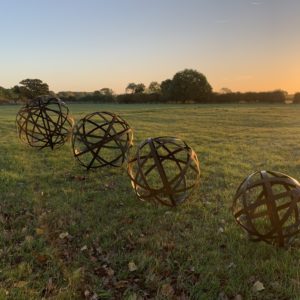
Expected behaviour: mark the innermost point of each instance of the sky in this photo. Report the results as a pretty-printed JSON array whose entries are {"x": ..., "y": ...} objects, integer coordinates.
[{"x": 86, "y": 45}]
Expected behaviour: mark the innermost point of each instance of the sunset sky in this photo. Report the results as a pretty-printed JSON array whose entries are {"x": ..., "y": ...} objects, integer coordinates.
[{"x": 85, "y": 45}]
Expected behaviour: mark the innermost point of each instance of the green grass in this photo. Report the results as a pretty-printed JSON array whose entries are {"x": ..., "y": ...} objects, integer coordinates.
[{"x": 46, "y": 193}]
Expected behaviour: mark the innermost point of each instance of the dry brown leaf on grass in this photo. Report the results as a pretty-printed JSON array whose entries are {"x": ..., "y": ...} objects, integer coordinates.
[
  {"x": 221, "y": 230},
  {"x": 39, "y": 231},
  {"x": 121, "y": 284},
  {"x": 169, "y": 246},
  {"x": 127, "y": 221},
  {"x": 87, "y": 293},
  {"x": 41, "y": 258},
  {"x": 104, "y": 271},
  {"x": 110, "y": 272},
  {"x": 132, "y": 266},
  {"x": 63, "y": 235},
  {"x": 28, "y": 238},
  {"x": 258, "y": 287},
  {"x": 167, "y": 290},
  {"x": 231, "y": 265},
  {"x": 83, "y": 248},
  {"x": 78, "y": 177},
  {"x": 110, "y": 185}
]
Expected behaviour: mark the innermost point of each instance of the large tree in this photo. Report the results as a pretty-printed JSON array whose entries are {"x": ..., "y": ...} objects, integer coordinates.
[
  {"x": 225, "y": 90},
  {"x": 135, "y": 88},
  {"x": 106, "y": 92},
  {"x": 190, "y": 85},
  {"x": 297, "y": 98},
  {"x": 31, "y": 88},
  {"x": 165, "y": 87},
  {"x": 154, "y": 87}
]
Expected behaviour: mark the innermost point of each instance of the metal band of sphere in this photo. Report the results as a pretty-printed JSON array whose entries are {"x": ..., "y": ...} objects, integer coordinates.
[
  {"x": 175, "y": 166},
  {"x": 272, "y": 214},
  {"x": 101, "y": 139},
  {"x": 44, "y": 122}
]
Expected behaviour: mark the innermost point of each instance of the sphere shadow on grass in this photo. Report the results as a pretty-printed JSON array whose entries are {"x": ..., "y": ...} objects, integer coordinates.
[
  {"x": 164, "y": 170},
  {"x": 267, "y": 206}
]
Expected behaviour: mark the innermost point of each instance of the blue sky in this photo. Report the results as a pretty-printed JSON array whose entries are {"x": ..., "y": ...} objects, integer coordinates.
[{"x": 84, "y": 45}]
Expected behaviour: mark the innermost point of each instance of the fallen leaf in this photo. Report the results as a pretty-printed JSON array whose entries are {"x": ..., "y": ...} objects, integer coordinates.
[
  {"x": 110, "y": 185},
  {"x": 63, "y": 235},
  {"x": 257, "y": 287},
  {"x": 110, "y": 272},
  {"x": 231, "y": 265},
  {"x": 39, "y": 231},
  {"x": 167, "y": 290},
  {"x": 42, "y": 258},
  {"x": 28, "y": 238},
  {"x": 99, "y": 250},
  {"x": 121, "y": 284},
  {"x": 169, "y": 246},
  {"x": 127, "y": 221},
  {"x": 132, "y": 266},
  {"x": 83, "y": 248},
  {"x": 221, "y": 230}
]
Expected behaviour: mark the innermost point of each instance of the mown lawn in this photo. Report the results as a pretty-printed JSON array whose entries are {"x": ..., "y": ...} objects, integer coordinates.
[{"x": 71, "y": 234}]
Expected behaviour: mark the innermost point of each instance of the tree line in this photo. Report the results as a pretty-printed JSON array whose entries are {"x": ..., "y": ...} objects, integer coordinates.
[{"x": 187, "y": 86}]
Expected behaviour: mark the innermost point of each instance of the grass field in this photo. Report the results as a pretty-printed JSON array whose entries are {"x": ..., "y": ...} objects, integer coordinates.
[{"x": 71, "y": 234}]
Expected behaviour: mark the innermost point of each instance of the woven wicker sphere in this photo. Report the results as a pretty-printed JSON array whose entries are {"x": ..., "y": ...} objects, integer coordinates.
[
  {"x": 267, "y": 205},
  {"x": 44, "y": 122},
  {"x": 101, "y": 139},
  {"x": 164, "y": 170}
]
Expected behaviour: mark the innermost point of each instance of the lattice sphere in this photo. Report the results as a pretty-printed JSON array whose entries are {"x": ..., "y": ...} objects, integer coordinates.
[
  {"x": 267, "y": 205},
  {"x": 164, "y": 170},
  {"x": 44, "y": 122},
  {"x": 101, "y": 139}
]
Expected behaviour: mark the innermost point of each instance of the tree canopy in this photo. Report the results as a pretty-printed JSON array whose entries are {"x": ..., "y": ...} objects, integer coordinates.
[
  {"x": 297, "y": 98},
  {"x": 187, "y": 86},
  {"x": 190, "y": 85},
  {"x": 154, "y": 87},
  {"x": 32, "y": 88},
  {"x": 135, "y": 88}
]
